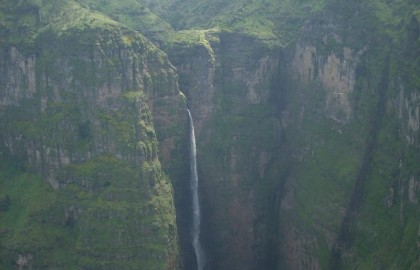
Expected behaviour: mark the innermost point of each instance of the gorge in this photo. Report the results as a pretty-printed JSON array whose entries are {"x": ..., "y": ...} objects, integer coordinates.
[{"x": 306, "y": 120}]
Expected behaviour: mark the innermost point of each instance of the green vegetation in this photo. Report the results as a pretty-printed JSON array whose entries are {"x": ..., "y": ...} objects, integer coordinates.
[
  {"x": 81, "y": 185},
  {"x": 385, "y": 228},
  {"x": 272, "y": 21},
  {"x": 35, "y": 220},
  {"x": 19, "y": 30},
  {"x": 108, "y": 208},
  {"x": 134, "y": 14},
  {"x": 183, "y": 42},
  {"x": 90, "y": 108}
]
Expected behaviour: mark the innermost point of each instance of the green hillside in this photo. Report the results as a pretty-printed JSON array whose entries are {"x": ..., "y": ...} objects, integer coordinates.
[{"x": 307, "y": 122}]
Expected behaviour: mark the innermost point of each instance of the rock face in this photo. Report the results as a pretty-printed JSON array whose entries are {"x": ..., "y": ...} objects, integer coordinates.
[
  {"x": 307, "y": 127},
  {"x": 337, "y": 76},
  {"x": 222, "y": 81},
  {"x": 78, "y": 112},
  {"x": 295, "y": 147}
]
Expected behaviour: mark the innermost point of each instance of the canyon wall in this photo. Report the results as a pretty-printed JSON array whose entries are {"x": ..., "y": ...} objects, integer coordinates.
[
  {"x": 82, "y": 183},
  {"x": 299, "y": 145},
  {"x": 307, "y": 127}
]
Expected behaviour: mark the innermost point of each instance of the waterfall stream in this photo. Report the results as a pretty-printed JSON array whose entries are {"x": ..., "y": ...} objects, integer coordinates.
[{"x": 196, "y": 205}]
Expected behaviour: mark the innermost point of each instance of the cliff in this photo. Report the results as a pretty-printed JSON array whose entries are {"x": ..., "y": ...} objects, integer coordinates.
[
  {"x": 307, "y": 126},
  {"x": 307, "y": 141},
  {"x": 82, "y": 184}
]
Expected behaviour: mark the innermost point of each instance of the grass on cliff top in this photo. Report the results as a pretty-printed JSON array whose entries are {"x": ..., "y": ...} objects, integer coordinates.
[
  {"x": 183, "y": 40},
  {"x": 281, "y": 21},
  {"x": 73, "y": 18},
  {"x": 134, "y": 14},
  {"x": 22, "y": 21},
  {"x": 272, "y": 21},
  {"x": 191, "y": 37},
  {"x": 64, "y": 15}
]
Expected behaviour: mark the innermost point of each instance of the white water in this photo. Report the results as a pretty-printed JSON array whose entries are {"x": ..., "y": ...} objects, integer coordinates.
[{"x": 196, "y": 205}]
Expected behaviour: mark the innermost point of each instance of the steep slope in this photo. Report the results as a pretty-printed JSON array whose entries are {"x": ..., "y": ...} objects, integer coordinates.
[
  {"x": 81, "y": 182},
  {"x": 307, "y": 125},
  {"x": 364, "y": 76},
  {"x": 228, "y": 99},
  {"x": 298, "y": 143}
]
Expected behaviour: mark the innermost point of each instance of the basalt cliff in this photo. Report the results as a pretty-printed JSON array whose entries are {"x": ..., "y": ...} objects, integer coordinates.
[{"x": 307, "y": 123}]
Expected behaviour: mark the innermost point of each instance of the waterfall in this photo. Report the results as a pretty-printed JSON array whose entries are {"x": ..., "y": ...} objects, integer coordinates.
[{"x": 196, "y": 205}]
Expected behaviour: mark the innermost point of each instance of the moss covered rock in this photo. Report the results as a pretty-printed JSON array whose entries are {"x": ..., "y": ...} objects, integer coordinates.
[{"x": 82, "y": 184}]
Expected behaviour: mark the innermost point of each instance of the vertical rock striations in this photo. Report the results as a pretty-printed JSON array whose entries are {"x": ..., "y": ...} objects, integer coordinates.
[
  {"x": 77, "y": 111},
  {"x": 227, "y": 78},
  {"x": 290, "y": 133},
  {"x": 310, "y": 149}
]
